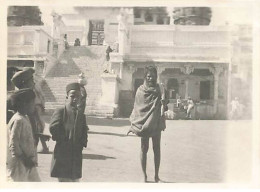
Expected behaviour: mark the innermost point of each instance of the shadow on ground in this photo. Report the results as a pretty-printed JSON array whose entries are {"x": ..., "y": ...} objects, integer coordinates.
[
  {"x": 107, "y": 122},
  {"x": 96, "y": 157},
  {"x": 112, "y": 134}
]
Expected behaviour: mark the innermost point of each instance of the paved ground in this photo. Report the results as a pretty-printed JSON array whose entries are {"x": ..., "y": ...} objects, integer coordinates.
[{"x": 192, "y": 151}]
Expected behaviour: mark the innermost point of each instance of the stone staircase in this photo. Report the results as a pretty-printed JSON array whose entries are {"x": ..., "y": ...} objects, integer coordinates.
[{"x": 72, "y": 62}]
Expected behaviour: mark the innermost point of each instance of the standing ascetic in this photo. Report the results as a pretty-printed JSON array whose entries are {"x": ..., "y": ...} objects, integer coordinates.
[{"x": 147, "y": 118}]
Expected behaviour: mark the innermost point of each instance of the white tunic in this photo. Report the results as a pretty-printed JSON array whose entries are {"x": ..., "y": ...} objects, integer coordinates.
[{"x": 20, "y": 142}]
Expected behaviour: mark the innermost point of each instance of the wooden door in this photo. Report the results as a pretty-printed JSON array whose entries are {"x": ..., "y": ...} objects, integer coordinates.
[{"x": 96, "y": 32}]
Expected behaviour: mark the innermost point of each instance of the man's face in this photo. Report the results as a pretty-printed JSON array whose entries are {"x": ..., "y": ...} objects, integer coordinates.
[
  {"x": 73, "y": 97},
  {"x": 151, "y": 79}
]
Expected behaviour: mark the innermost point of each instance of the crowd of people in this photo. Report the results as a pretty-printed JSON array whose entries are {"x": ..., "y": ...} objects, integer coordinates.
[{"x": 69, "y": 129}]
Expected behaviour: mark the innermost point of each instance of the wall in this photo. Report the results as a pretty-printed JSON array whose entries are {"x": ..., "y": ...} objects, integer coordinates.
[
  {"x": 27, "y": 40},
  {"x": 43, "y": 45},
  {"x": 180, "y": 41}
]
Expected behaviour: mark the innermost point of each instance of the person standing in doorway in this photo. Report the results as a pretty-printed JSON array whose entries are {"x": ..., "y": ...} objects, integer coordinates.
[{"x": 147, "y": 118}]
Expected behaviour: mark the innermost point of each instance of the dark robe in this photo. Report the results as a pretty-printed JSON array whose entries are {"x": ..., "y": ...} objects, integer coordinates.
[{"x": 67, "y": 155}]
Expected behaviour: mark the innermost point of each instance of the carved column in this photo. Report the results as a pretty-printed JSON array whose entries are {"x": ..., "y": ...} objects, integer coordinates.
[
  {"x": 187, "y": 69},
  {"x": 216, "y": 72},
  {"x": 123, "y": 32}
]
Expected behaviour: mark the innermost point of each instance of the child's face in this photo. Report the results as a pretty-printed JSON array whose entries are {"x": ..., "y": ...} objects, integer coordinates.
[{"x": 73, "y": 97}]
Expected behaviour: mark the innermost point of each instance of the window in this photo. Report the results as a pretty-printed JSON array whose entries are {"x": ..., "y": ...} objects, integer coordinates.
[
  {"x": 160, "y": 21},
  {"x": 148, "y": 17},
  {"x": 137, "y": 13}
]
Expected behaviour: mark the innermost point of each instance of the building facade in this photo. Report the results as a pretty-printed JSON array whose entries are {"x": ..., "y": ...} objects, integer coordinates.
[
  {"x": 29, "y": 46},
  {"x": 206, "y": 63}
]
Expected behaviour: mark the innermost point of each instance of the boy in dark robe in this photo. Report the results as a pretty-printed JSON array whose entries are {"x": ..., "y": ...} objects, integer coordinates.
[{"x": 69, "y": 129}]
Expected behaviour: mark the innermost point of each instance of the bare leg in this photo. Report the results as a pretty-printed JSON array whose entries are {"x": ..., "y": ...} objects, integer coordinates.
[
  {"x": 44, "y": 146},
  {"x": 157, "y": 155},
  {"x": 143, "y": 156}
]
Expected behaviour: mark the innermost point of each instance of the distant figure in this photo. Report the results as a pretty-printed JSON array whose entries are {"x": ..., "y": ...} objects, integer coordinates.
[
  {"x": 190, "y": 106},
  {"x": 108, "y": 51},
  {"x": 83, "y": 93},
  {"x": 236, "y": 111},
  {"x": 179, "y": 102},
  {"x": 66, "y": 42},
  {"x": 77, "y": 42}
]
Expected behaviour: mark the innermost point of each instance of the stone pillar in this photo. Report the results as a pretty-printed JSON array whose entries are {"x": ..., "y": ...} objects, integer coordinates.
[
  {"x": 155, "y": 18},
  {"x": 159, "y": 73},
  {"x": 121, "y": 70},
  {"x": 187, "y": 69},
  {"x": 110, "y": 91},
  {"x": 186, "y": 88},
  {"x": 142, "y": 13},
  {"x": 123, "y": 32},
  {"x": 36, "y": 43},
  {"x": 165, "y": 19},
  {"x": 216, "y": 72}
]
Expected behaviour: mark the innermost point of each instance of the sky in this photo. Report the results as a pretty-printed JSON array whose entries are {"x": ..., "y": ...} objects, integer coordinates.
[{"x": 220, "y": 15}]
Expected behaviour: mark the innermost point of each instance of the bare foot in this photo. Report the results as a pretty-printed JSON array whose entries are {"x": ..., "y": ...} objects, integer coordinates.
[{"x": 157, "y": 180}]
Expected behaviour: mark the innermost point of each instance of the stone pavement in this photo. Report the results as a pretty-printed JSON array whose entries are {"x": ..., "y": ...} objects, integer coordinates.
[{"x": 191, "y": 152}]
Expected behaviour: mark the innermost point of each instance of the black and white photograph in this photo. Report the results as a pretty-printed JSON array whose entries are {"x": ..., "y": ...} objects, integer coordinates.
[{"x": 131, "y": 93}]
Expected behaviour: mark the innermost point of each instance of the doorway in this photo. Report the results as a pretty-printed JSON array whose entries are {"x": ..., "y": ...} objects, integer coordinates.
[
  {"x": 96, "y": 32},
  {"x": 205, "y": 90}
]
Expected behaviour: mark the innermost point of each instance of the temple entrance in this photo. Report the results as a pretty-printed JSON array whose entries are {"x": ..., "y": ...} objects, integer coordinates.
[
  {"x": 96, "y": 32},
  {"x": 205, "y": 90},
  {"x": 173, "y": 88}
]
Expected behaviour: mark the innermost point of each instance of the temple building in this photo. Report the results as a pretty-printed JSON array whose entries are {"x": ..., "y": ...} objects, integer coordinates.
[{"x": 193, "y": 59}]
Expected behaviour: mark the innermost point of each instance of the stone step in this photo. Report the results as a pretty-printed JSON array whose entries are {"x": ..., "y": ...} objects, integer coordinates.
[{"x": 73, "y": 61}]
